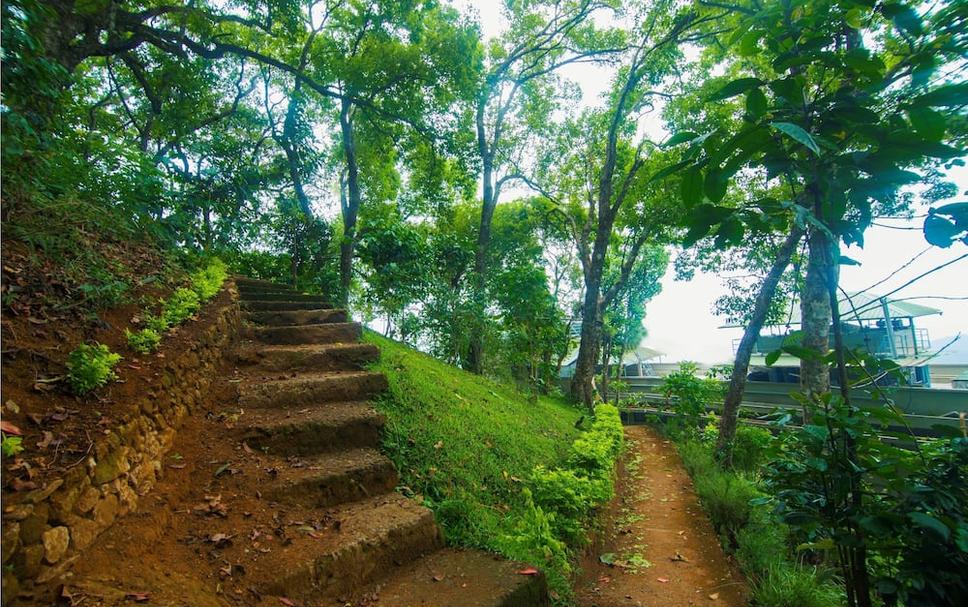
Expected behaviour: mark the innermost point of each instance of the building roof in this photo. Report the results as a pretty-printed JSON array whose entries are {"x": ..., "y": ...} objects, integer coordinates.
[
  {"x": 632, "y": 357},
  {"x": 861, "y": 306}
]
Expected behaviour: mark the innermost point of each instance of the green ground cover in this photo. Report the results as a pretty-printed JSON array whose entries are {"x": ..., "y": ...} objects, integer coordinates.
[{"x": 501, "y": 471}]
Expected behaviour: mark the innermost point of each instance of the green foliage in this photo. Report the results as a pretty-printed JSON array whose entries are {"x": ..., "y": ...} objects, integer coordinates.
[
  {"x": 760, "y": 542},
  {"x": 90, "y": 367},
  {"x": 692, "y": 396},
  {"x": 470, "y": 446},
  {"x": 180, "y": 306},
  {"x": 571, "y": 494},
  {"x": 789, "y": 585},
  {"x": 144, "y": 341},
  {"x": 752, "y": 447},
  {"x": 207, "y": 281},
  {"x": 912, "y": 524},
  {"x": 726, "y": 498},
  {"x": 11, "y": 445}
]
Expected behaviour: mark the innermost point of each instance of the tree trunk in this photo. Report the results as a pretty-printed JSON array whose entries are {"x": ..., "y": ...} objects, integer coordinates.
[
  {"x": 815, "y": 312},
  {"x": 582, "y": 388},
  {"x": 475, "y": 356},
  {"x": 606, "y": 364},
  {"x": 737, "y": 383},
  {"x": 351, "y": 208}
]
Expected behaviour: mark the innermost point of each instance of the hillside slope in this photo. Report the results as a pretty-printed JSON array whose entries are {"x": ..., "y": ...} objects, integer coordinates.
[{"x": 468, "y": 445}]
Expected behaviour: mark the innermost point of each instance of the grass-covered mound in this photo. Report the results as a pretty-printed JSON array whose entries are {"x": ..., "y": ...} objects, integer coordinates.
[{"x": 501, "y": 471}]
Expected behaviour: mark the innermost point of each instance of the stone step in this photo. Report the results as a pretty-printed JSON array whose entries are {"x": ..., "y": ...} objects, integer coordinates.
[
  {"x": 327, "y": 357},
  {"x": 311, "y": 389},
  {"x": 468, "y": 578},
  {"x": 242, "y": 281},
  {"x": 252, "y": 293},
  {"x": 263, "y": 296},
  {"x": 278, "y": 306},
  {"x": 333, "y": 427},
  {"x": 327, "y": 333},
  {"x": 328, "y": 480},
  {"x": 298, "y": 317},
  {"x": 359, "y": 545}
]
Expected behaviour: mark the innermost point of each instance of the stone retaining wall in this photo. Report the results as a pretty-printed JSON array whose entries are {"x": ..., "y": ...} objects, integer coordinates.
[{"x": 45, "y": 530}]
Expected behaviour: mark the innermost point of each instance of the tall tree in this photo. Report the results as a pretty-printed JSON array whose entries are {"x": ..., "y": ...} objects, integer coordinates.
[
  {"x": 841, "y": 102},
  {"x": 601, "y": 170},
  {"x": 513, "y": 98}
]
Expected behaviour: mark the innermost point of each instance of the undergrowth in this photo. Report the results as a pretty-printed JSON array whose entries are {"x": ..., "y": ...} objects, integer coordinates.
[
  {"x": 90, "y": 367},
  {"x": 502, "y": 472},
  {"x": 748, "y": 528}
]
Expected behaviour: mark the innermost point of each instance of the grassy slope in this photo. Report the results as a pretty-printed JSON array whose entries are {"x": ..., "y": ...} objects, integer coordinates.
[{"x": 463, "y": 442}]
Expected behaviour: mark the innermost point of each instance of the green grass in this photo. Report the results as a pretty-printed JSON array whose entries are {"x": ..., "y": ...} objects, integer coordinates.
[{"x": 469, "y": 446}]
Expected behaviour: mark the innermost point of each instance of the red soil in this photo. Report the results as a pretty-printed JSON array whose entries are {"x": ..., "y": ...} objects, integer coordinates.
[{"x": 657, "y": 517}]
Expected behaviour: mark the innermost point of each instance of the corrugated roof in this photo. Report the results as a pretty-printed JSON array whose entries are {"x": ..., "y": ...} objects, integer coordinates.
[
  {"x": 863, "y": 306},
  {"x": 632, "y": 357}
]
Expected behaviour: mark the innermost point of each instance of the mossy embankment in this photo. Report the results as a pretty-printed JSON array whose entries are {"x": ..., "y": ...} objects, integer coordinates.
[{"x": 478, "y": 453}]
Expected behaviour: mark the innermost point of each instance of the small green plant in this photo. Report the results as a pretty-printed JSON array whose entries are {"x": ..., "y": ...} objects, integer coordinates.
[
  {"x": 144, "y": 341},
  {"x": 692, "y": 395},
  {"x": 752, "y": 447},
  {"x": 180, "y": 306},
  {"x": 90, "y": 367},
  {"x": 158, "y": 324},
  {"x": 11, "y": 445},
  {"x": 207, "y": 281}
]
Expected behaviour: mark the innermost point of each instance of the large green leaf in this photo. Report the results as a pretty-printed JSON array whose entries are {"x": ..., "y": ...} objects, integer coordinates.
[
  {"x": 736, "y": 87},
  {"x": 692, "y": 186},
  {"x": 715, "y": 184},
  {"x": 929, "y": 522},
  {"x": 756, "y": 103},
  {"x": 680, "y": 137},
  {"x": 798, "y": 134},
  {"x": 927, "y": 122},
  {"x": 943, "y": 96}
]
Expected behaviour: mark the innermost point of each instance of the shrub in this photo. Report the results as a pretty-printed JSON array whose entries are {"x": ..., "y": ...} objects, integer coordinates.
[
  {"x": 752, "y": 447},
  {"x": 570, "y": 496},
  {"x": 90, "y": 367},
  {"x": 762, "y": 545},
  {"x": 534, "y": 541},
  {"x": 692, "y": 395},
  {"x": 726, "y": 498},
  {"x": 207, "y": 281},
  {"x": 180, "y": 306},
  {"x": 143, "y": 341},
  {"x": 696, "y": 457},
  {"x": 158, "y": 324},
  {"x": 793, "y": 585}
]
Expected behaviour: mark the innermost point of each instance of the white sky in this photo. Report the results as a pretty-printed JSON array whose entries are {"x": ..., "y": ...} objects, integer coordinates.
[{"x": 680, "y": 321}]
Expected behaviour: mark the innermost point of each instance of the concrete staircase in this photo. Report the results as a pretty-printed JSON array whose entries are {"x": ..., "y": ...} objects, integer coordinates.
[{"x": 305, "y": 392}]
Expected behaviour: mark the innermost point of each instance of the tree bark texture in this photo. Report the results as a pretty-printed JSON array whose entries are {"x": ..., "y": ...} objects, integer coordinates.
[
  {"x": 815, "y": 312},
  {"x": 351, "y": 207},
  {"x": 761, "y": 306}
]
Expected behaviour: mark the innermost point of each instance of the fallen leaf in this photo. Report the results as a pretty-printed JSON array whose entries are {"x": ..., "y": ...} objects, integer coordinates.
[
  {"x": 714, "y": 596},
  {"x": 528, "y": 571},
  {"x": 287, "y": 602},
  {"x": 663, "y": 580},
  {"x": 19, "y": 485},
  {"x": 438, "y": 578},
  {"x": 46, "y": 441},
  {"x": 138, "y": 597},
  {"x": 9, "y": 428}
]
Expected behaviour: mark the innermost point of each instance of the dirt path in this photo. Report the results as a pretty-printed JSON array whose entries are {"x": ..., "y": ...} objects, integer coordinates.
[{"x": 662, "y": 548}]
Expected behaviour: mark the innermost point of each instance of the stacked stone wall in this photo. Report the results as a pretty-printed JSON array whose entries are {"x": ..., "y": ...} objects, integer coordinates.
[{"x": 47, "y": 529}]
